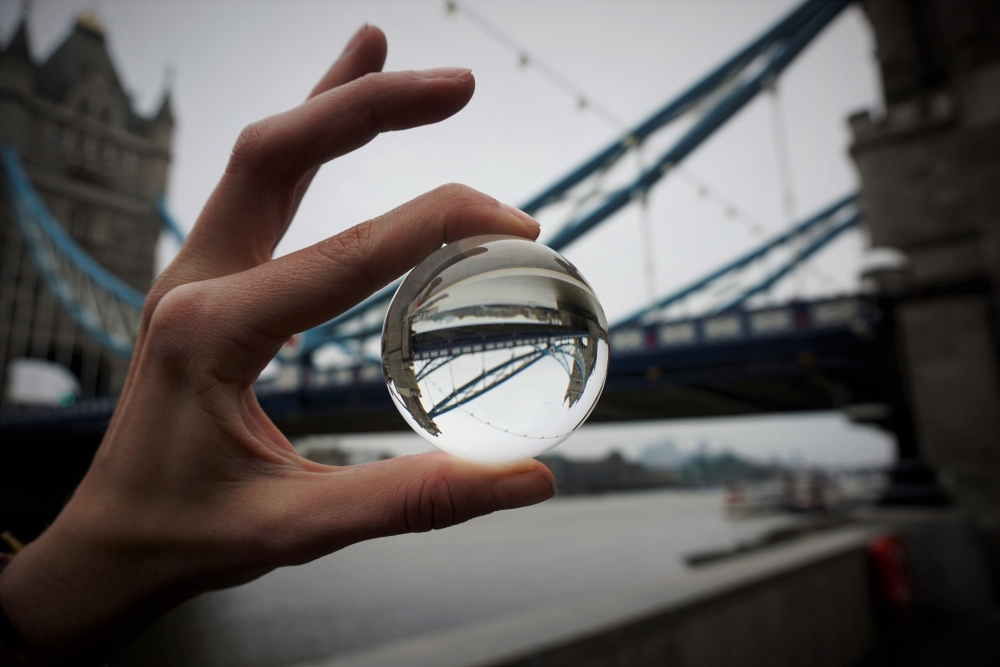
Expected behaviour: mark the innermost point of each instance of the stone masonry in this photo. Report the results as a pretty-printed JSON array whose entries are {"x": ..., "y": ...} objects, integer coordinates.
[
  {"x": 99, "y": 166},
  {"x": 930, "y": 187}
]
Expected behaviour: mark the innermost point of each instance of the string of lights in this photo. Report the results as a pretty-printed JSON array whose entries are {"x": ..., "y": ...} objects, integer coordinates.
[
  {"x": 731, "y": 210},
  {"x": 781, "y": 153},
  {"x": 527, "y": 59},
  {"x": 586, "y": 102}
]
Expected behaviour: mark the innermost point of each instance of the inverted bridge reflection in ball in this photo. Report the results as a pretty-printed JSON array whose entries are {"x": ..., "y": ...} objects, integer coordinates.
[{"x": 495, "y": 349}]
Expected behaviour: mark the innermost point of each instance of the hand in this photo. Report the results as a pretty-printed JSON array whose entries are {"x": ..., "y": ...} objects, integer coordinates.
[{"x": 193, "y": 487}]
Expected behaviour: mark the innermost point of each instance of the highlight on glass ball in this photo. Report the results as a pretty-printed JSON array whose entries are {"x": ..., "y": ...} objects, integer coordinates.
[{"x": 495, "y": 349}]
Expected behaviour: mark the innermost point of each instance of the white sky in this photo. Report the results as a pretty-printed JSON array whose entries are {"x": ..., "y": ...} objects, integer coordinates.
[{"x": 236, "y": 62}]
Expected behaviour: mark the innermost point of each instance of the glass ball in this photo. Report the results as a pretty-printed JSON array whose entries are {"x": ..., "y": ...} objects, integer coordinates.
[{"x": 495, "y": 349}]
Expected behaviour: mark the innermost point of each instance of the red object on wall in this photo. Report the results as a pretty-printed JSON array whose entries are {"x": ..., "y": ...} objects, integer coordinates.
[{"x": 892, "y": 571}]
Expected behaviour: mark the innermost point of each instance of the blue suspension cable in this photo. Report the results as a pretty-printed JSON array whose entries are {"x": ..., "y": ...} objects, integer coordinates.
[
  {"x": 741, "y": 262},
  {"x": 722, "y": 112},
  {"x": 21, "y": 191},
  {"x": 676, "y": 107},
  {"x": 797, "y": 28},
  {"x": 168, "y": 222},
  {"x": 805, "y": 253}
]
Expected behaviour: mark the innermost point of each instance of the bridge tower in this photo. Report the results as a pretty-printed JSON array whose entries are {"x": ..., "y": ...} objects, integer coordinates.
[
  {"x": 930, "y": 187},
  {"x": 99, "y": 166}
]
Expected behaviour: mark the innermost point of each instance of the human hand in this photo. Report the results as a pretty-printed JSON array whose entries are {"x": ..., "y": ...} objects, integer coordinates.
[{"x": 193, "y": 487}]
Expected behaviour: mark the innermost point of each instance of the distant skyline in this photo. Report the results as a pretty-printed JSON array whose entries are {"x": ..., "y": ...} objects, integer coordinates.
[
  {"x": 235, "y": 62},
  {"x": 815, "y": 439}
]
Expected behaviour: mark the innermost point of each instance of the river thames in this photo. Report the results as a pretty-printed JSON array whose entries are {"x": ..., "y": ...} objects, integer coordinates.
[{"x": 388, "y": 589}]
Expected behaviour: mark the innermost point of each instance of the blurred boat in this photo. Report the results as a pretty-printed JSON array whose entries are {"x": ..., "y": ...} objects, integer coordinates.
[{"x": 804, "y": 490}]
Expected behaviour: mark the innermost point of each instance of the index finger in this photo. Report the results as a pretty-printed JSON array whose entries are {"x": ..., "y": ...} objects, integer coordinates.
[
  {"x": 249, "y": 208},
  {"x": 257, "y": 310}
]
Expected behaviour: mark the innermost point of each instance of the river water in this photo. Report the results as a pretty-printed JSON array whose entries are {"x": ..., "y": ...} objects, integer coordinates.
[{"x": 391, "y": 588}]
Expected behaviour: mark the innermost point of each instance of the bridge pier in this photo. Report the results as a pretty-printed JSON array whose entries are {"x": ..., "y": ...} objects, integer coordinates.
[{"x": 930, "y": 187}]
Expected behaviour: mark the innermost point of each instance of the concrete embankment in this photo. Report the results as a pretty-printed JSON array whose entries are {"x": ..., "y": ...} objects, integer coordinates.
[{"x": 812, "y": 601}]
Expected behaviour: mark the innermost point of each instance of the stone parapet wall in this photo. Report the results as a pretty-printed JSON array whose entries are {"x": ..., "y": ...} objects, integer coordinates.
[{"x": 804, "y": 603}]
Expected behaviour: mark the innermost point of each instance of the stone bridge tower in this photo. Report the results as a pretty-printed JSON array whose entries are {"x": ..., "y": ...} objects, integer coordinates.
[
  {"x": 99, "y": 167},
  {"x": 930, "y": 187}
]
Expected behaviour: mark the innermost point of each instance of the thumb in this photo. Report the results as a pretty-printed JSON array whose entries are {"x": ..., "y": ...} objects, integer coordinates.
[{"x": 410, "y": 494}]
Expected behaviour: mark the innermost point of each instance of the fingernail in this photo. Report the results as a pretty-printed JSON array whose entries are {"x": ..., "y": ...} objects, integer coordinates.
[
  {"x": 447, "y": 73},
  {"x": 357, "y": 38},
  {"x": 523, "y": 489},
  {"x": 521, "y": 215}
]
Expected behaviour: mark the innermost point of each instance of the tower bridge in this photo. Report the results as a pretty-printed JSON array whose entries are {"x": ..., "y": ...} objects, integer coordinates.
[
  {"x": 651, "y": 347},
  {"x": 713, "y": 347},
  {"x": 86, "y": 168}
]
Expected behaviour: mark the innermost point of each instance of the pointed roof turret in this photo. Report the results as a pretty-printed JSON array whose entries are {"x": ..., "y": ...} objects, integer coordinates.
[
  {"x": 18, "y": 44},
  {"x": 166, "y": 113},
  {"x": 17, "y": 71},
  {"x": 81, "y": 54},
  {"x": 89, "y": 21}
]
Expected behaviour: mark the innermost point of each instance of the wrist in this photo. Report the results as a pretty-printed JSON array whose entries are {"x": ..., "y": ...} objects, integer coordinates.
[{"x": 98, "y": 592}]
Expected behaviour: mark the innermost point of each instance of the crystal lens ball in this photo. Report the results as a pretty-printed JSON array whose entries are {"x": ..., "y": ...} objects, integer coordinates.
[{"x": 495, "y": 349}]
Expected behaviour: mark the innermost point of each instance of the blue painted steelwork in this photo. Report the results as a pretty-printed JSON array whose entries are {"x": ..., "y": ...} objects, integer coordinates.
[
  {"x": 330, "y": 332},
  {"x": 168, "y": 222},
  {"x": 778, "y": 46},
  {"x": 795, "y": 232},
  {"x": 106, "y": 308},
  {"x": 487, "y": 381},
  {"x": 811, "y": 249},
  {"x": 825, "y": 216},
  {"x": 28, "y": 200},
  {"x": 785, "y": 40},
  {"x": 720, "y": 113},
  {"x": 67, "y": 268},
  {"x": 761, "y": 344},
  {"x": 676, "y": 107},
  {"x": 735, "y": 327}
]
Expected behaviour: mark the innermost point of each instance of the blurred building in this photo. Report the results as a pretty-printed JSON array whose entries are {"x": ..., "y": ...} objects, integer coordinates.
[
  {"x": 930, "y": 187},
  {"x": 610, "y": 474},
  {"x": 99, "y": 166}
]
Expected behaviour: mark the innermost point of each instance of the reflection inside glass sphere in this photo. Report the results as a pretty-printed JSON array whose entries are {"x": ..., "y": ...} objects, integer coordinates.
[{"x": 495, "y": 349}]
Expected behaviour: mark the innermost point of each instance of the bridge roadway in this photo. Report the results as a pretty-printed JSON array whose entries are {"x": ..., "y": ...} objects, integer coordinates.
[
  {"x": 802, "y": 356},
  {"x": 805, "y": 356}
]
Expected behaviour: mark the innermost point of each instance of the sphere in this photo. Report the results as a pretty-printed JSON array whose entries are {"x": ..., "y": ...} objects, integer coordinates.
[{"x": 495, "y": 349}]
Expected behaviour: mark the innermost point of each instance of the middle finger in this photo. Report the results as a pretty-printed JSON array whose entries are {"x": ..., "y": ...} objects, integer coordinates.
[{"x": 237, "y": 229}]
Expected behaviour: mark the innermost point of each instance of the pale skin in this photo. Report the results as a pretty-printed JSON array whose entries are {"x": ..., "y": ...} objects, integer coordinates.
[{"x": 193, "y": 487}]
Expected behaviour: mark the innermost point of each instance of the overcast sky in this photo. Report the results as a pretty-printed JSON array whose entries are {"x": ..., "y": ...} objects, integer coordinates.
[{"x": 235, "y": 62}]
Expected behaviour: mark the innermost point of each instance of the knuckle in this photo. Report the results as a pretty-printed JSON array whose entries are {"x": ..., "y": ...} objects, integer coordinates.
[
  {"x": 374, "y": 119},
  {"x": 461, "y": 198},
  {"x": 249, "y": 146},
  {"x": 349, "y": 243},
  {"x": 369, "y": 83},
  {"x": 369, "y": 93},
  {"x": 352, "y": 247},
  {"x": 434, "y": 505},
  {"x": 457, "y": 192},
  {"x": 178, "y": 321}
]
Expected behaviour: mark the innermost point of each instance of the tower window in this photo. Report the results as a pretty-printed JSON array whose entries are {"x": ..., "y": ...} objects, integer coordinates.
[
  {"x": 79, "y": 223},
  {"x": 105, "y": 115},
  {"x": 84, "y": 106}
]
